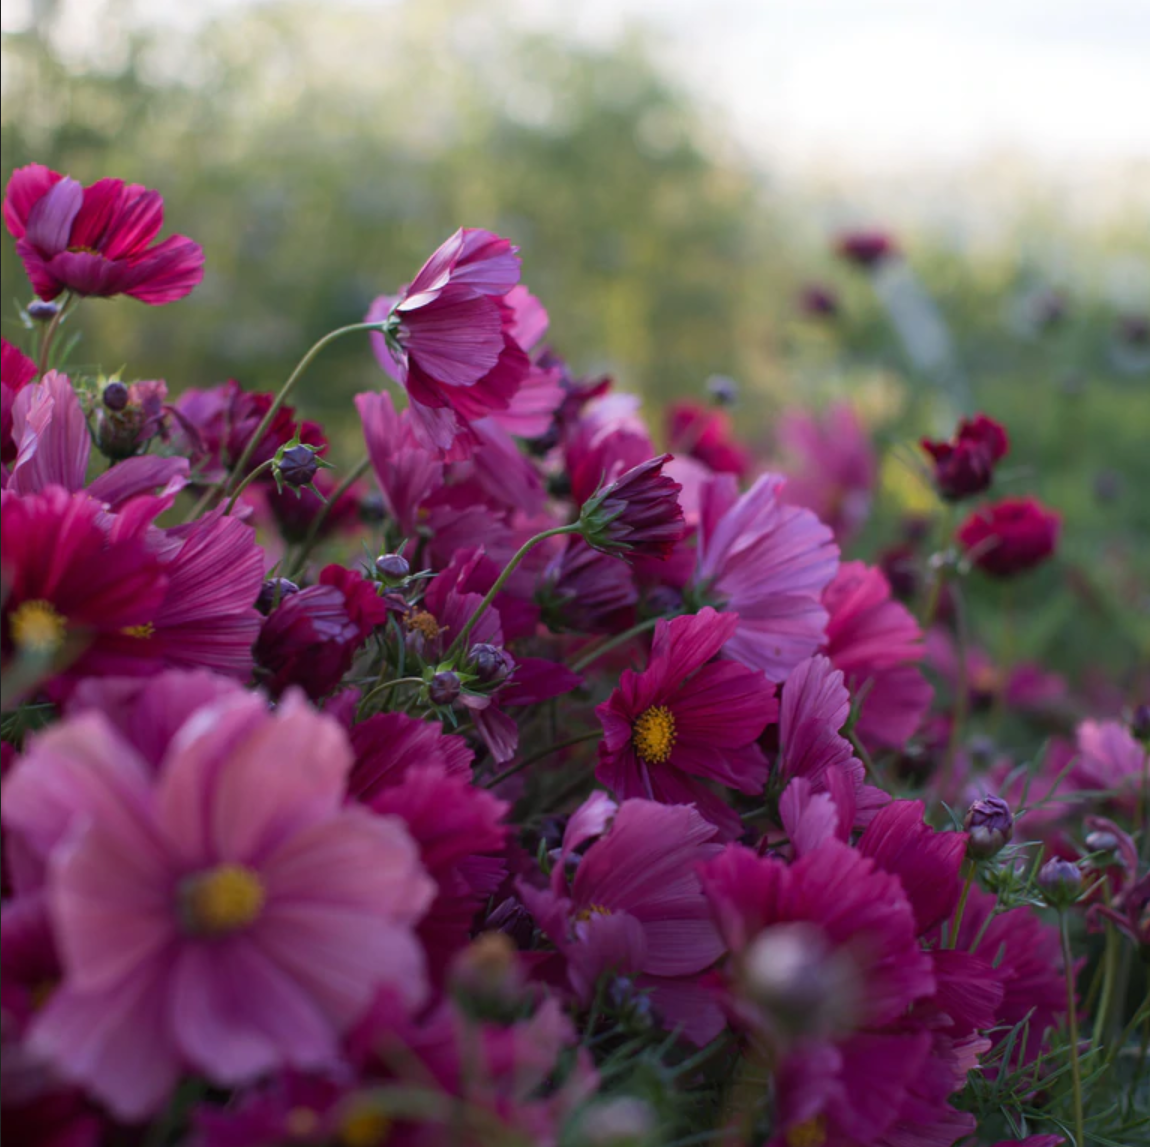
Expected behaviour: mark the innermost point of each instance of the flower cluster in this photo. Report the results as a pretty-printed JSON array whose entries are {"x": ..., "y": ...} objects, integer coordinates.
[{"x": 607, "y": 800}]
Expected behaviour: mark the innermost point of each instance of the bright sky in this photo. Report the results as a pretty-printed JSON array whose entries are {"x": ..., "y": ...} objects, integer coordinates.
[{"x": 868, "y": 84}]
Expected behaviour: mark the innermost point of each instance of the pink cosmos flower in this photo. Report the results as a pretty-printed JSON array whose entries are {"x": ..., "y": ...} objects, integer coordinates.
[
  {"x": 202, "y": 912},
  {"x": 388, "y": 745},
  {"x": 686, "y": 720},
  {"x": 1109, "y": 758},
  {"x": 831, "y": 466},
  {"x": 587, "y": 591},
  {"x": 825, "y": 963},
  {"x": 769, "y": 563},
  {"x": 635, "y": 906},
  {"x": 877, "y": 643},
  {"x": 449, "y": 339},
  {"x": 607, "y": 439},
  {"x": 97, "y": 240},
  {"x": 17, "y": 370},
  {"x": 707, "y": 435}
]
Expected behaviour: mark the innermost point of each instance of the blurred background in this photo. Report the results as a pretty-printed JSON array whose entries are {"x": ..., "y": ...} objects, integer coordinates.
[{"x": 676, "y": 174}]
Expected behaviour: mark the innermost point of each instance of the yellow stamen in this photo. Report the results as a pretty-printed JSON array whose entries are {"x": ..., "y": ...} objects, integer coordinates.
[
  {"x": 364, "y": 1125},
  {"x": 301, "y": 1123},
  {"x": 654, "y": 734},
  {"x": 37, "y": 627},
  {"x": 141, "y": 631},
  {"x": 221, "y": 900},
  {"x": 423, "y": 622},
  {"x": 810, "y": 1133},
  {"x": 592, "y": 910}
]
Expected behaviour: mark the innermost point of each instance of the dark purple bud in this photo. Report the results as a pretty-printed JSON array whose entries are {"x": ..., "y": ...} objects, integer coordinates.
[
  {"x": 990, "y": 825},
  {"x": 444, "y": 688},
  {"x": 1101, "y": 841},
  {"x": 372, "y": 508},
  {"x": 42, "y": 312},
  {"x": 638, "y": 513},
  {"x": 272, "y": 592},
  {"x": 817, "y": 302},
  {"x": 297, "y": 466},
  {"x": 488, "y": 662},
  {"x": 1140, "y": 723},
  {"x": 512, "y": 919},
  {"x": 116, "y": 396},
  {"x": 1060, "y": 881},
  {"x": 393, "y": 568},
  {"x": 724, "y": 391}
]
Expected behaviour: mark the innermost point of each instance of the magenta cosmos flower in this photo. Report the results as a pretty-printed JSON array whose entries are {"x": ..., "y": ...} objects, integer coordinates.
[
  {"x": 635, "y": 906},
  {"x": 448, "y": 338},
  {"x": 686, "y": 720},
  {"x": 97, "y": 240},
  {"x": 965, "y": 465},
  {"x": 1010, "y": 537},
  {"x": 204, "y": 914},
  {"x": 17, "y": 370},
  {"x": 769, "y": 563}
]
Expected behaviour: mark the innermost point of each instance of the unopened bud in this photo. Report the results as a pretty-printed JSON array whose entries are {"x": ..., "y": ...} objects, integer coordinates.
[
  {"x": 41, "y": 311},
  {"x": 724, "y": 391},
  {"x": 990, "y": 825},
  {"x": 393, "y": 568},
  {"x": 1140, "y": 723},
  {"x": 272, "y": 592},
  {"x": 488, "y": 662},
  {"x": 444, "y": 688},
  {"x": 116, "y": 396},
  {"x": 297, "y": 466},
  {"x": 1101, "y": 841},
  {"x": 1060, "y": 881}
]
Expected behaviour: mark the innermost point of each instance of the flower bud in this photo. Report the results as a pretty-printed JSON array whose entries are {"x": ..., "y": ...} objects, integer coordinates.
[
  {"x": 724, "y": 391},
  {"x": 393, "y": 568},
  {"x": 116, "y": 395},
  {"x": 273, "y": 591},
  {"x": 372, "y": 508},
  {"x": 990, "y": 824},
  {"x": 1060, "y": 881},
  {"x": 1101, "y": 841},
  {"x": 297, "y": 466},
  {"x": 1140, "y": 723},
  {"x": 817, "y": 302},
  {"x": 41, "y": 311},
  {"x": 444, "y": 688},
  {"x": 488, "y": 970},
  {"x": 488, "y": 662},
  {"x": 638, "y": 513},
  {"x": 514, "y": 920}
]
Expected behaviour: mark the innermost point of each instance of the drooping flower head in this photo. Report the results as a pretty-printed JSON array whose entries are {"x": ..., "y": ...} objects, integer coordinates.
[
  {"x": 686, "y": 720},
  {"x": 202, "y": 911},
  {"x": 965, "y": 465},
  {"x": 1009, "y": 537},
  {"x": 768, "y": 563},
  {"x": 448, "y": 339},
  {"x": 636, "y": 514},
  {"x": 97, "y": 240}
]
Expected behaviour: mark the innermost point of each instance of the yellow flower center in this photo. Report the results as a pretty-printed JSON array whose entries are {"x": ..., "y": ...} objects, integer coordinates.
[
  {"x": 364, "y": 1125},
  {"x": 592, "y": 910},
  {"x": 221, "y": 900},
  {"x": 423, "y": 622},
  {"x": 811, "y": 1133},
  {"x": 37, "y": 627},
  {"x": 141, "y": 631},
  {"x": 300, "y": 1123},
  {"x": 654, "y": 734}
]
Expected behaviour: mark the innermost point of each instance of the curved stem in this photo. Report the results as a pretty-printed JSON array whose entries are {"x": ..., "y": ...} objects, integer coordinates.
[
  {"x": 1072, "y": 1024},
  {"x": 317, "y": 522},
  {"x": 581, "y": 663},
  {"x": 956, "y": 924},
  {"x": 286, "y": 390},
  {"x": 460, "y": 643},
  {"x": 390, "y": 684},
  {"x": 519, "y": 766},
  {"x": 246, "y": 483},
  {"x": 53, "y": 327}
]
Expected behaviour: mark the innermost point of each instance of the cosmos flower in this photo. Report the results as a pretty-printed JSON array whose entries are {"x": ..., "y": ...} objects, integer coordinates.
[
  {"x": 17, "y": 370},
  {"x": 965, "y": 465},
  {"x": 707, "y": 435},
  {"x": 201, "y": 921},
  {"x": 96, "y": 240},
  {"x": 1009, "y": 537}
]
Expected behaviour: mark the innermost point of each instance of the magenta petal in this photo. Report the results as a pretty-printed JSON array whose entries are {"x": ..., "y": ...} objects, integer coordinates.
[
  {"x": 614, "y": 943},
  {"x": 51, "y": 436},
  {"x": 50, "y": 221}
]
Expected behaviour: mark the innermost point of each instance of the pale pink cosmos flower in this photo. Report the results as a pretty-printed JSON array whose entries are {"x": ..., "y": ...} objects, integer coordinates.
[{"x": 225, "y": 914}]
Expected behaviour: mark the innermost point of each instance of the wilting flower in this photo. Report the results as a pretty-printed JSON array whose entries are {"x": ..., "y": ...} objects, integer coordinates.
[
  {"x": 200, "y": 919},
  {"x": 638, "y": 513},
  {"x": 1009, "y": 537},
  {"x": 448, "y": 339},
  {"x": 17, "y": 370},
  {"x": 965, "y": 465},
  {"x": 634, "y": 906},
  {"x": 769, "y": 563},
  {"x": 96, "y": 240},
  {"x": 686, "y": 719},
  {"x": 866, "y": 249}
]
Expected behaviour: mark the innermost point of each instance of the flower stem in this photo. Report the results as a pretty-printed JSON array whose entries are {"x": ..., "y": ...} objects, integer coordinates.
[
  {"x": 317, "y": 522},
  {"x": 956, "y": 923},
  {"x": 1109, "y": 975},
  {"x": 961, "y": 688},
  {"x": 1072, "y": 1024},
  {"x": 581, "y": 663},
  {"x": 285, "y": 391},
  {"x": 459, "y": 645},
  {"x": 51, "y": 331},
  {"x": 246, "y": 483},
  {"x": 863, "y": 755},
  {"x": 519, "y": 766}
]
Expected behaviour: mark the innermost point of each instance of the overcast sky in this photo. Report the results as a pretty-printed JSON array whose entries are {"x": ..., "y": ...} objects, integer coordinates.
[{"x": 869, "y": 84}]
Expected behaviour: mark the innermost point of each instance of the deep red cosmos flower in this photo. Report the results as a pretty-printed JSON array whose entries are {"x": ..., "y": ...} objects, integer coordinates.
[
  {"x": 965, "y": 465},
  {"x": 449, "y": 339},
  {"x": 866, "y": 249},
  {"x": 97, "y": 240},
  {"x": 1010, "y": 536},
  {"x": 685, "y": 719}
]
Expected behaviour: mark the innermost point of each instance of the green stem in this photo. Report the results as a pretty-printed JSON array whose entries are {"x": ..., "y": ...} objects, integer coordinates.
[
  {"x": 51, "y": 331},
  {"x": 581, "y": 663},
  {"x": 956, "y": 923},
  {"x": 519, "y": 766},
  {"x": 459, "y": 645},
  {"x": 1072, "y": 1024},
  {"x": 960, "y": 695},
  {"x": 286, "y": 390},
  {"x": 317, "y": 522},
  {"x": 863, "y": 755},
  {"x": 938, "y": 582},
  {"x": 1109, "y": 975},
  {"x": 389, "y": 684},
  {"x": 246, "y": 483}
]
